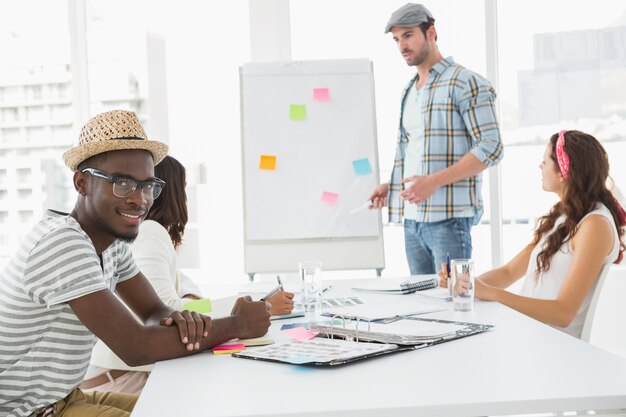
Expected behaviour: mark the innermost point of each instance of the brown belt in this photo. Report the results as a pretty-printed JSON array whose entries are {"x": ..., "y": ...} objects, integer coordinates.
[{"x": 101, "y": 379}]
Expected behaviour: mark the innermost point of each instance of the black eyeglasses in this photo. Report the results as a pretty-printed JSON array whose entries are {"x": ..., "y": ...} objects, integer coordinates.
[{"x": 125, "y": 186}]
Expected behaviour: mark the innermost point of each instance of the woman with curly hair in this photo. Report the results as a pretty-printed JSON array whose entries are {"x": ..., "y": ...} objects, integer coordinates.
[{"x": 580, "y": 236}]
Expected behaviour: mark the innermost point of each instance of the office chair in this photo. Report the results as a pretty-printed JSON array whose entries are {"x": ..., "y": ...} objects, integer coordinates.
[{"x": 593, "y": 305}]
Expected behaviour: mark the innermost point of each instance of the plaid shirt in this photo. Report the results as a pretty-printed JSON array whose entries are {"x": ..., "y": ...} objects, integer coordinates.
[{"x": 459, "y": 117}]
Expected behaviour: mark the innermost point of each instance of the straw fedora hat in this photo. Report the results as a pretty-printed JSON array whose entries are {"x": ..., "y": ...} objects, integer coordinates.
[{"x": 114, "y": 130}]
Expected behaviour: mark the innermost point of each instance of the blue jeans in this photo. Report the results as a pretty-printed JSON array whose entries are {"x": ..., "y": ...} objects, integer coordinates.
[{"x": 427, "y": 244}]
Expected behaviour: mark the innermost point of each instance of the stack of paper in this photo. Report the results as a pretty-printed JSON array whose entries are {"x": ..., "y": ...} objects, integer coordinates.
[
  {"x": 381, "y": 311},
  {"x": 402, "y": 332}
]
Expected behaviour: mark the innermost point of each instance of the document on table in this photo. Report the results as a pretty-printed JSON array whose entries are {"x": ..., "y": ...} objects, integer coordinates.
[
  {"x": 318, "y": 351},
  {"x": 408, "y": 331},
  {"x": 382, "y": 311}
]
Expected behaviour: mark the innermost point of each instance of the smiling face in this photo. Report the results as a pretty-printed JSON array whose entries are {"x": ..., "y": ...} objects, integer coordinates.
[{"x": 104, "y": 216}]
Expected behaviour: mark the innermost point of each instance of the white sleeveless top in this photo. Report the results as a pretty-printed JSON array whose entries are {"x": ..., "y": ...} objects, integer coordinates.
[{"x": 548, "y": 284}]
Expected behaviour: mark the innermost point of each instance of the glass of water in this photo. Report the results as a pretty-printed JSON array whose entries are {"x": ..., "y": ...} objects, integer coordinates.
[
  {"x": 311, "y": 277},
  {"x": 463, "y": 281}
]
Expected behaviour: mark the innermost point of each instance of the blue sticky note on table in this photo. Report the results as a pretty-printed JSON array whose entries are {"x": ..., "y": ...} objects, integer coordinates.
[
  {"x": 334, "y": 322},
  {"x": 362, "y": 166}
]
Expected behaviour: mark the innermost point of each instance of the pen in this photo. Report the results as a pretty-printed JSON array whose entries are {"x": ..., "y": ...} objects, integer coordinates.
[
  {"x": 280, "y": 283},
  {"x": 366, "y": 205},
  {"x": 271, "y": 293},
  {"x": 448, "y": 272}
]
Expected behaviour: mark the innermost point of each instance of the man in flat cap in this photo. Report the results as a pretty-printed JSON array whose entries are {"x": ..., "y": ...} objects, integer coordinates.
[
  {"x": 57, "y": 292},
  {"x": 448, "y": 134}
]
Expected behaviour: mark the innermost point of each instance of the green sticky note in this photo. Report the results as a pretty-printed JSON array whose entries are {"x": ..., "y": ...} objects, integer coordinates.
[
  {"x": 297, "y": 112},
  {"x": 202, "y": 306}
]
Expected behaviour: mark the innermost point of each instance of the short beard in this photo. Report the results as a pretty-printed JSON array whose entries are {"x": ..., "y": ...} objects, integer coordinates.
[
  {"x": 117, "y": 235},
  {"x": 421, "y": 56}
]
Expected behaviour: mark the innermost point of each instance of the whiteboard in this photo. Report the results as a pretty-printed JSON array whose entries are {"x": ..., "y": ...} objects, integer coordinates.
[{"x": 309, "y": 158}]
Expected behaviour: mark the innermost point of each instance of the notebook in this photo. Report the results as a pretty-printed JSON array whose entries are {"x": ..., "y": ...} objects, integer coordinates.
[
  {"x": 320, "y": 352},
  {"x": 408, "y": 285},
  {"x": 406, "y": 331}
]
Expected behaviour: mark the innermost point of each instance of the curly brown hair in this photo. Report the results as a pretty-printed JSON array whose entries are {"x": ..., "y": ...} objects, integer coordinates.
[
  {"x": 170, "y": 209},
  {"x": 585, "y": 187}
]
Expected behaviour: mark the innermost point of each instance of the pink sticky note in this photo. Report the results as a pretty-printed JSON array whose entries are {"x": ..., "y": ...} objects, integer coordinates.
[
  {"x": 330, "y": 198},
  {"x": 321, "y": 94},
  {"x": 300, "y": 333},
  {"x": 240, "y": 346}
]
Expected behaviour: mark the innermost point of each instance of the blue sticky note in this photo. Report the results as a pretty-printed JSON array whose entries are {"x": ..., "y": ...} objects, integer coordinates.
[
  {"x": 334, "y": 322},
  {"x": 293, "y": 326},
  {"x": 362, "y": 166}
]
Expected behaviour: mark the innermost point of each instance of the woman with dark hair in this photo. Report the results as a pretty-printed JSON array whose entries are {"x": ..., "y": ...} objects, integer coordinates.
[
  {"x": 155, "y": 252},
  {"x": 579, "y": 236}
]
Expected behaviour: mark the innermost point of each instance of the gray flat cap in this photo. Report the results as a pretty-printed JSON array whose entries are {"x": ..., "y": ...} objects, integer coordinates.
[{"x": 409, "y": 15}]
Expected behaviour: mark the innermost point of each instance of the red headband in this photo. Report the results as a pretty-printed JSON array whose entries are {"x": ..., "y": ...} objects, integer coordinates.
[{"x": 561, "y": 155}]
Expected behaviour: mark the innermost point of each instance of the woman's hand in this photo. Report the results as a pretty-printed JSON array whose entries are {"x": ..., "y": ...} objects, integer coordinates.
[
  {"x": 443, "y": 276},
  {"x": 282, "y": 303}
]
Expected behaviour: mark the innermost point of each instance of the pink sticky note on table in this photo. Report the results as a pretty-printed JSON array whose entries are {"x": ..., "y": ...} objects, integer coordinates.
[
  {"x": 301, "y": 333},
  {"x": 330, "y": 198},
  {"x": 321, "y": 94},
  {"x": 239, "y": 346}
]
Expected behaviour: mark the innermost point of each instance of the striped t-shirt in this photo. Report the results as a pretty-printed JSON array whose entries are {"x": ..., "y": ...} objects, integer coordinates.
[{"x": 44, "y": 348}]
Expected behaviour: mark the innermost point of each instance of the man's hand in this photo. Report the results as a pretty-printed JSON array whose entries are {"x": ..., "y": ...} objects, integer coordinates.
[
  {"x": 418, "y": 188},
  {"x": 379, "y": 196},
  {"x": 252, "y": 317},
  {"x": 191, "y": 326}
]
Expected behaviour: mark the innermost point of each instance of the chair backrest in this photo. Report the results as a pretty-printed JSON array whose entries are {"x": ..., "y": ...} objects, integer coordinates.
[{"x": 593, "y": 305}]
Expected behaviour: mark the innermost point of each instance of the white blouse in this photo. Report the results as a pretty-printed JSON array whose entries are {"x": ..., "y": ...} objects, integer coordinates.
[{"x": 547, "y": 285}]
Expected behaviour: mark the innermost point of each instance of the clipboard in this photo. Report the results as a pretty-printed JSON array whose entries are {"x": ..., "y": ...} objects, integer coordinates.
[{"x": 320, "y": 351}]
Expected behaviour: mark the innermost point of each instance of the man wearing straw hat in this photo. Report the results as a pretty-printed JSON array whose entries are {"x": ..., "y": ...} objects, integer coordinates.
[{"x": 56, "y": 294}]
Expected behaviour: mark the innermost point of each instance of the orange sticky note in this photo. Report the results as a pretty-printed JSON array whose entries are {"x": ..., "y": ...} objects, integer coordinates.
[
  {"x": 267, "y": 162},
  {"x": 330, "y": 198},
  {"x": 321, "y": 94}
]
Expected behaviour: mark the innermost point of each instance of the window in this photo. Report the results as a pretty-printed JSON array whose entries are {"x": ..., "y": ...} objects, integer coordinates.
[
  {"x": 23, "y": 175},
  {"x": 25, "y": 216},
  {"x": 24, "y": 194},
  {"x": 565, "y": 73}
]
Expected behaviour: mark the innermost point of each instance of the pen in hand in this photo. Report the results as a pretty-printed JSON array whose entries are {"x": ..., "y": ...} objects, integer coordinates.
[
  {"x": 278, "y": 288},
  {"x": 271, "y": 293}
]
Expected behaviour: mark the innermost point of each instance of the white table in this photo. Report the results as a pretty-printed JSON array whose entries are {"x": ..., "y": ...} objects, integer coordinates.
[{"x": 520, "y": 366}]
